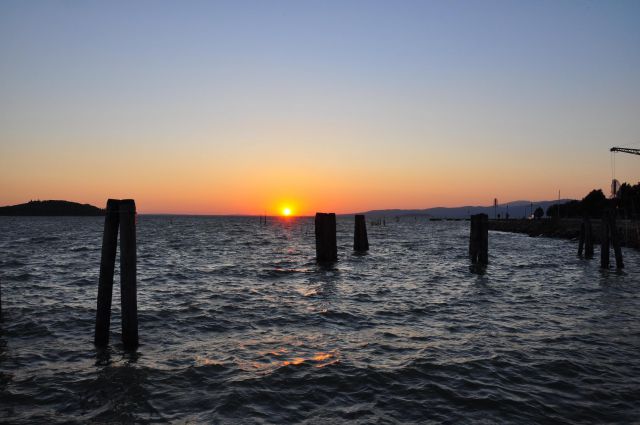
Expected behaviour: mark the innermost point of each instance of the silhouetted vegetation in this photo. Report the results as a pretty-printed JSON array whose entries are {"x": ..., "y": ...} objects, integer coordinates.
[
  {"x": 628, "y": 200},
  {"x": 538, "y": 213},
  {"x": 627, "y": 203},
  {"x": 51, "y": 208}
]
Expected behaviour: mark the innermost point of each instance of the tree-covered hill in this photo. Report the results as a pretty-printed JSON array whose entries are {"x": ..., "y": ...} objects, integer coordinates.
[{"x": 51, "y": 208}]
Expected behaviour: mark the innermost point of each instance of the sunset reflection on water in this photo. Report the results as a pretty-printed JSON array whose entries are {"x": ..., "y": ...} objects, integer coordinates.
[
  {"x": 268, "y": 362},
  {"x": 320, "y": 359}
]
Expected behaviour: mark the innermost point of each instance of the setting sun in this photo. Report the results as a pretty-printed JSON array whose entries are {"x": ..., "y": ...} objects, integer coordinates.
[{"x": 286, "y": 211}]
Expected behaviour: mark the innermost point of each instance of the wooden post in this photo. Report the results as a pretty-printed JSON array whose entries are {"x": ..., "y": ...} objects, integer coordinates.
[
  {"x": 588, "y": 239},
  {"x": 615, "y": 240},
  {"x": 473, "y": 245},
  {"x": 107, "y": 264},
  {"x": 128, "y": 291},
  {"x": 604, "y": 243},
  {"x": 479, "y": 239},
  {"x": 483, "y": 258},
  {"x": 360, "y": 240},
  {"x": 581, "y": 240},
  {"x": 326, "y": 247}
]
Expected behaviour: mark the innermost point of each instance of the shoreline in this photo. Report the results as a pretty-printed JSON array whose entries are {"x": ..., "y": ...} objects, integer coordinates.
[{"x": 568, "y": 228}]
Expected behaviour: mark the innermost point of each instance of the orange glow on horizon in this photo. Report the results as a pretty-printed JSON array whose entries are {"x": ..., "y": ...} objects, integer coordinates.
[{"x": 266, "y": 187}]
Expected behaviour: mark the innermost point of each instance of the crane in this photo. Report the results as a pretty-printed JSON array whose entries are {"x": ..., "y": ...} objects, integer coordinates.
[
  {"x": 615, "y": 184},
  {"x": 626, "y": 150}
]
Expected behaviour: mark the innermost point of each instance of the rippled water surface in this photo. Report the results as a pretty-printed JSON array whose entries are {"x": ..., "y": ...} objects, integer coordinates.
[{"x": 239, "y": 325}]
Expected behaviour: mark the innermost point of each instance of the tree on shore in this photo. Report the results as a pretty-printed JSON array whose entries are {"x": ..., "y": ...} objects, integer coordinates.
[
  {"x": 538, "y": 213},
  {"x": 596, "y": 202},
  {"x": 628, "y": 198},
  {"x": 568, "y": 209}
]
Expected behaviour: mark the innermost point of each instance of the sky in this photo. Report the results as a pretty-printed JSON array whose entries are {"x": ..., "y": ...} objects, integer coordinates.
[{"x": 244, "y": 107}]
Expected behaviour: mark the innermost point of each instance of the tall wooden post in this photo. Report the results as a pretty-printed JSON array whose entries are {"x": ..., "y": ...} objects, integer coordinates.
[
  {"x": 119, "y": 214},
  {"x": 326, "y": 246},
  {"x": 107, "y": 265},
  {"x": 615, "y": 240},
  {"x": 360, "y": 240},
  {"x": 484, "y": 239},
  {"x": 604, "y": 243},
  {"x": 473, "y": 245},
  {"x": 479, "y": 239},
  {"x": 128, "y": 273},
  {"x": 588, "y": 238}
]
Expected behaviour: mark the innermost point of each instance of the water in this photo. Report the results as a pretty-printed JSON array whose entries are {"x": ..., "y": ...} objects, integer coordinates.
[{"x": 239, "y": 325}]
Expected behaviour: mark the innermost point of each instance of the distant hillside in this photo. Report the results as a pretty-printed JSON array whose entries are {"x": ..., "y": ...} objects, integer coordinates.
[
  {"x": 516, "y": 209},
  {"x": 51, "y": 208}
]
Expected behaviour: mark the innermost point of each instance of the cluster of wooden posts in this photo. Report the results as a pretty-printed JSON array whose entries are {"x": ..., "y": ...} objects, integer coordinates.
[
  {"x": 478, "y": 240},
  {"x": 609, "y": 237},
  {"x": 326, "y": 245},
  {"x": 121, "y": 218},
  {"x": 120, "y": 215}
]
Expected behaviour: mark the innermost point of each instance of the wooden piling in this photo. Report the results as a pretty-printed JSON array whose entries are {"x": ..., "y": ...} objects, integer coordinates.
[
  {"x": 128, "y": 291},
  {"x": 483, "y": 258},
  {"x": 588, "y": 238},
  {"x": 326, "y": 246},
  {"x": 615, "y": 240},
  {"x": 473, "y": 246},
  {"x": 479, "y": 239},
  {"x": 581, "y": 239},
  {"x": 604, "y": 242},
  {"x": 360, "y": 240},
  {"x": 107, "y": 265}
]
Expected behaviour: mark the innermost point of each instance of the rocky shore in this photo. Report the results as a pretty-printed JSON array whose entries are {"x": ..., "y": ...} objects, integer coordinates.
[{"x": 629, "y": 230}]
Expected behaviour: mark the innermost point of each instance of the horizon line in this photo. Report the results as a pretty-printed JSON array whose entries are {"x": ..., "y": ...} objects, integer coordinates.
[{"x": 377, "y": 210}]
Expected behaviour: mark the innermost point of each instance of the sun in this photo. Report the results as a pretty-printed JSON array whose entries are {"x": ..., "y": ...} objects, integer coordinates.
[{"x": 286, "y": 211}]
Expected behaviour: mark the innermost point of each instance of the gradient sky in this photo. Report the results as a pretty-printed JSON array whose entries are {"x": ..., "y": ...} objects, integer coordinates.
[{"x": 244, "y": 106}]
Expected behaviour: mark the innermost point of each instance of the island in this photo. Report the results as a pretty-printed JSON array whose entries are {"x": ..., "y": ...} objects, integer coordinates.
[{"x": 51, "y": 208}]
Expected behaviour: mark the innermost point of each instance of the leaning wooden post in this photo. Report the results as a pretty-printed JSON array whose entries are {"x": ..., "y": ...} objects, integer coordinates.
[
  {"x": 615, "y": 240},
  {"x": 128, "y": 291},
  {"x": 360, "y": 240},
  {"x": 604, "y": 243},
  {"x": 326, "y": 247},
  {"x": 107, "y": 264},
  {"x": 588, "y": 239}
]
